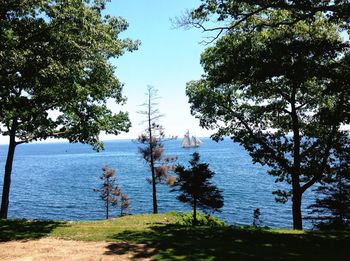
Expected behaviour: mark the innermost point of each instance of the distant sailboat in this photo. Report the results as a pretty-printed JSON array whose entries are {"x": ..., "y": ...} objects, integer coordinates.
[{"x": 192, "y": 142}]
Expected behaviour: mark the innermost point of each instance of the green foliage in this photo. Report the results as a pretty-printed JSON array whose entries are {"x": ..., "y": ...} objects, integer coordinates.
[
  {"x": 54, "y": 58},
  {"x": 231, "y": 14},
  {"x": 282, "y": 92},
  {"x": 55, "y": 74},
  {"x": 331, "y": 209},
  {"x": 186, "y": 219},
  {"x": 195, "y": 187}
]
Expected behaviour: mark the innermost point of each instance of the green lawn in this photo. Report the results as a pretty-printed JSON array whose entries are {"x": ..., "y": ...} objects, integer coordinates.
[{"x": 177, "y": 242}]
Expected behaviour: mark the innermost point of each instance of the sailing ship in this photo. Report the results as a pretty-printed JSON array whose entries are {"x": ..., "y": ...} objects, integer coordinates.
[{"x": 192, "y": 142}]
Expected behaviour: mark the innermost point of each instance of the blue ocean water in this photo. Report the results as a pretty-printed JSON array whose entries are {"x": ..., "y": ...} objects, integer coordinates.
[{"x": 56, "y": 181}]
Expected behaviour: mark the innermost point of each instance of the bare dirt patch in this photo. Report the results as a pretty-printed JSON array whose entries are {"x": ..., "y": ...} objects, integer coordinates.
[{"x": 62, "y": 250}]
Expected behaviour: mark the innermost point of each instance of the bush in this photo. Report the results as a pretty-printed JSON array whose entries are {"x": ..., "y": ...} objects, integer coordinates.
[{"x": 185, "y": 219}]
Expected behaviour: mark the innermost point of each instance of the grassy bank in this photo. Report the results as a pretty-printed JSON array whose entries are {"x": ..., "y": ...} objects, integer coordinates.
[{"x": 173, "y": 241}]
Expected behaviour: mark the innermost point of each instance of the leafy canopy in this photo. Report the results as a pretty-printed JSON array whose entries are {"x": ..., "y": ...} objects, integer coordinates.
[
  {"x": 283, "y": 93},
  {"x": 230, "y": 15},
  {"x": 259, "y": 88},
  {"x": 55, "y": 74}
]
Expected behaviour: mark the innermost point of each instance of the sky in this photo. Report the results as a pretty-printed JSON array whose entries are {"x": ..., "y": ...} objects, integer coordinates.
[{"x": 166, "y": 59}]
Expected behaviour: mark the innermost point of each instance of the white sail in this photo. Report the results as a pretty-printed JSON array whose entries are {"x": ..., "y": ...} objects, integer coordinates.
[
  {"x": 198, "y": 141},
  {"x": 186, "y": 140},
  {"x": 190, "y": 143},
  {"x": 195, "y": 142}
]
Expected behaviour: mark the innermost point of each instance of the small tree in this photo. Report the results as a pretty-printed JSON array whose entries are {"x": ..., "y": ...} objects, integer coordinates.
[
  {"x": 152, "y": 149},
  {"x": 256, "y": 217},
  {"x": 125, "y": 204},
  {"x": 331, "y": 209},
  {"x": 195, "y": 187},
  {"x": 110, "y": 192}
]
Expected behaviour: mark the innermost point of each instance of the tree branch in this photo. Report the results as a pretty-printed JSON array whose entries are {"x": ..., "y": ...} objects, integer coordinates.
[{"x": 260, "y": 141}]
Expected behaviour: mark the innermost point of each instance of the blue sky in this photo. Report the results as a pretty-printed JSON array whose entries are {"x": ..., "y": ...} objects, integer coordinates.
[{"x": 167, "y": 58}]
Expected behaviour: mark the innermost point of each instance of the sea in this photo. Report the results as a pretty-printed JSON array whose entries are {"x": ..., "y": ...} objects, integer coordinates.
[{"x": 57, "y": 181}]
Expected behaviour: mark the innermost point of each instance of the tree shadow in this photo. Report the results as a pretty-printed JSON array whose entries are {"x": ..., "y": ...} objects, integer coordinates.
[
  {"x": 22, "y": 229},
  {"x": 138, "y": 251},
  {"x": 228, "y": 243}
]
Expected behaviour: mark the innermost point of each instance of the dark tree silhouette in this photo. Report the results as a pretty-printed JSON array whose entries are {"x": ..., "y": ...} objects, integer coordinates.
[
  {"x": 152, "y": 147},
  {"x": 110, "y": 192},
  {"x": 196, "y": 188},
  {"x": 331, "y": 209},
  {"x": 256, "y": 217}
]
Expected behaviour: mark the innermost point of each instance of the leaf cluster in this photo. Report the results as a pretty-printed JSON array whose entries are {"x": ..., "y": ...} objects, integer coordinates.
[
  {"x": 55, "y": 73},
  {"x": 331, "y": 209},
  {"x": 283, "y": 93},
  {"x": 185, "y": 219},
  {"x": 231, "y": 15}
]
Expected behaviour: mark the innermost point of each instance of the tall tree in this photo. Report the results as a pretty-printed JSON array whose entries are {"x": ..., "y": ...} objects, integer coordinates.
[
  {"x": 152, "y": 141},
  {"x": 55, "y": 75},
  {"x": 195, "y": 187},
  {"x": 283, "y": 93}
]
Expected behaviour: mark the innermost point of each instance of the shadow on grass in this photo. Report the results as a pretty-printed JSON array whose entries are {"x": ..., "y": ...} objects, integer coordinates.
[
  {"x": 139, "y": 251},
  {"x": 172, "y": 242},
  {"x": 22, "y": 229}
]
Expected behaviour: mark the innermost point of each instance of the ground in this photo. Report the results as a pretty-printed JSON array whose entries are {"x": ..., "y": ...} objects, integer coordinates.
[
  {"x": 55, "y": 249},
  {"x": 163, "y": 237}
]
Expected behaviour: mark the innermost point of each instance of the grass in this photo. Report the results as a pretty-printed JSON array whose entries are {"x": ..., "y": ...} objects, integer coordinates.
[{"x": 177, "y": 242}]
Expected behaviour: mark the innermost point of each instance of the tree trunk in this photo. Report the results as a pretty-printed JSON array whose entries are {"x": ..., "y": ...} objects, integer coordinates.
[
  {"x": 154, "y": 189},
  {"x": 297, "y": 191},
  {"x": 7, "y": 177},
  {"x": 297, "y": 217},
  {"x": 107, "y": 198},
  {"x": 107, "y": 209},
  {"x": 194, "y": 221}
]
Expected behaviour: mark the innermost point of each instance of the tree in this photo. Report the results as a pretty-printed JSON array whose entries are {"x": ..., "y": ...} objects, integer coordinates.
[
  {"x": 256, "y": 218},
  {"x": 152, "y": 141},
  {"x": 125, "y": 204},
  {"x": 332, "y": 207},
  {"x": 55, "y": 76},
  {"x": 195, "y": 187},
  {"x": 283, "y": 93},
  {"x": 229, "y": 15},
  {"x": 109, "y": 191}
]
